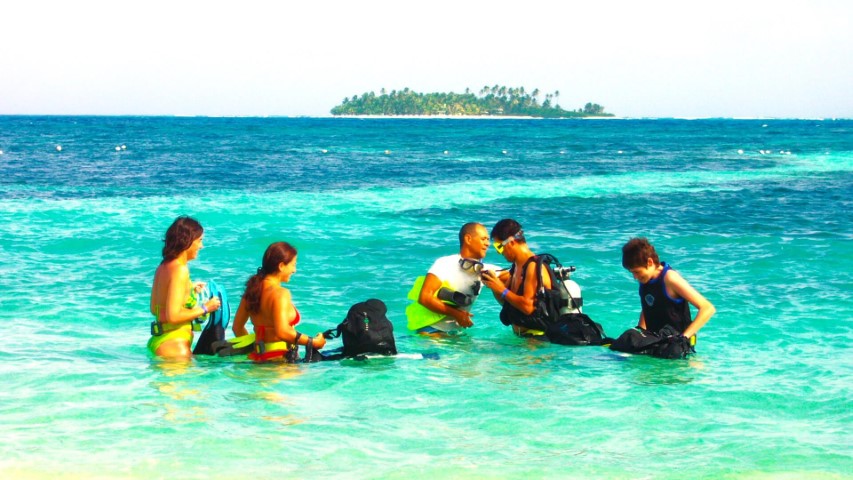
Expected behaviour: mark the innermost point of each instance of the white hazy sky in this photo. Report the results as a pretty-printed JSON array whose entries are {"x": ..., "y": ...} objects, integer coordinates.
[{"x": 686, "y": 58}]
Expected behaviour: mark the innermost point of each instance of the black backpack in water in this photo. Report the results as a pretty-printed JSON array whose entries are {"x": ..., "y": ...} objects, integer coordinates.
[
  {"x": 576, "y": 329},
  {"x": 366, "y": 329},
  {"x": 666, "y": 343}
]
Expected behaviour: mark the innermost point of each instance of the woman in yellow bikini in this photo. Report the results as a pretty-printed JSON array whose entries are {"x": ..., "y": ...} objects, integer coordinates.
[
  {"x": 174, "y": 301},
  {"x": 271, "y": 309}
]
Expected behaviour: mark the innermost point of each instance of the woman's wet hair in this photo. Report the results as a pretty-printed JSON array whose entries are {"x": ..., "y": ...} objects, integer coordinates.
[
  {"x": 507, "y": 228},
  {"x": 276, "y": 253},
  {"x": 637, "y": 252},
  {"x": 180, "y": 236}
]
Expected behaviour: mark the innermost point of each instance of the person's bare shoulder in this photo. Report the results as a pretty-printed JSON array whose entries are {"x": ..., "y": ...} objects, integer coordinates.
[
  {"x": 282, "y": 294},
  {"x": 676, "y": 284},
  {"x": 174, "y": 267}
]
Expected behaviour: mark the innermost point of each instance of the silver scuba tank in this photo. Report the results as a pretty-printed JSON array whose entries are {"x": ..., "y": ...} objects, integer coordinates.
[{"x": 570, "y": 292}]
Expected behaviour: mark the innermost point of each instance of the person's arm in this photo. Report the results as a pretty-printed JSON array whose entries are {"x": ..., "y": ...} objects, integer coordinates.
[
  {"x": 428, "y": 299},
  {"x": 284, "y": 313},
  {"x": 497, "y": 283},
  {"x": 174, "y": 310},
  {"x": 240, "y": 319},
  {"x": 679, "y": 286},
  {"x": 505, "y": 277},
  {"x": 525, "y": 303},
  {"x": 642, "y": 322},
  {"x": 152, "y": 305}
]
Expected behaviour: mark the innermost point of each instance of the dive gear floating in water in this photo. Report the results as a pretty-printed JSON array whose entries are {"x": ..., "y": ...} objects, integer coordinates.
[{"x": 217, "y": 321}]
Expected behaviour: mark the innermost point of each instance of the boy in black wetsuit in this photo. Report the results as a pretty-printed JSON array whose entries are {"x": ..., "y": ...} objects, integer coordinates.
[{"x": 665, "y": 328}]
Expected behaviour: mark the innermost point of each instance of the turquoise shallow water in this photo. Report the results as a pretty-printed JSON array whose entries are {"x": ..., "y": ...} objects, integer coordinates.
[{"x": 765, "y": 236}]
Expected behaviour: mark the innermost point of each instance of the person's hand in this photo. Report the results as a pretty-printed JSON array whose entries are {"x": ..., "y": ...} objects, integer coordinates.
[
  {"x": 463, "y": 318},
  {"x": 491, "y": 281},
  {"x": 199, "y": 287},
  {"x": 319, "y": 341},
  {"x": 213, "y": 304}
]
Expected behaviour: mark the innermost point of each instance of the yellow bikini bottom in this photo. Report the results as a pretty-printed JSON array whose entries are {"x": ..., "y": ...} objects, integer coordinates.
[{"x": 183, "y": 332}]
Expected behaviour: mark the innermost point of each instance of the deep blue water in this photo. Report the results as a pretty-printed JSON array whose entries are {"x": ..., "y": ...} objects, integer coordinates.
[{"x": 756, "y": 214}]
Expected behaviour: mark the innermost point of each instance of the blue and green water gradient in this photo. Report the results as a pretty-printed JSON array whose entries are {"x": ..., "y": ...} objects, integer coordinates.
[{"x": 765, "y": 236}]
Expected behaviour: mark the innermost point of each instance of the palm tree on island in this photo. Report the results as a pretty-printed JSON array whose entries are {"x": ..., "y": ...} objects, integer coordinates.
[{"x": 498, "y": 101}]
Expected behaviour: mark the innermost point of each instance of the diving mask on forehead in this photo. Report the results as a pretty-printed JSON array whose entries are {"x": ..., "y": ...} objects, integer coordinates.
[{"x": 499, "y": 246}]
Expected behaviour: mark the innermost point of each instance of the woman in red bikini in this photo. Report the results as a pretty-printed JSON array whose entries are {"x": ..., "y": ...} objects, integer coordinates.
[{"x": 270, "y": 308}]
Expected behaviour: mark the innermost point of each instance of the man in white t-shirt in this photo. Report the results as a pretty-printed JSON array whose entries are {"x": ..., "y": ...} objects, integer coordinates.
[{"x": 451, "y": 285}]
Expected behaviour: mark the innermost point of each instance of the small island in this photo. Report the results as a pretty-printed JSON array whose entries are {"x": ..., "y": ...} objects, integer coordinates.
[{"x": 496, "y": 101}]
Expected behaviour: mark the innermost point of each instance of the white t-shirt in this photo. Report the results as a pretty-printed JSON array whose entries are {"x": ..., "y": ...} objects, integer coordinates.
[{"x": 447, "y": 270}]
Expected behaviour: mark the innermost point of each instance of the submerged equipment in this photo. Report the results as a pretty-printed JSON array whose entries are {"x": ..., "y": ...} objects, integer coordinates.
[
  {"x": 668, "y": 343},
  {"x": 234, "y": 346}
]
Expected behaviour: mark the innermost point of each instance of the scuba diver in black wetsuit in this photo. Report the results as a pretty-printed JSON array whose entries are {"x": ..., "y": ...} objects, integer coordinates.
[
  {"x": 516, "y": 289},
  {"x": 665, "y": 297}
]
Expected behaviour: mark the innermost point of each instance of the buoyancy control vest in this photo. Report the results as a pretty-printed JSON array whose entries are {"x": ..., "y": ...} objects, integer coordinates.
[{"x": 659, "y": 309}]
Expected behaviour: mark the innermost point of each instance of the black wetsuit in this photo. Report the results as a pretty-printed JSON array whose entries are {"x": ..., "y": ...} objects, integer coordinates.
[
  {"x": 659, "y": 309},
  {"x": 541, "y": 317}
]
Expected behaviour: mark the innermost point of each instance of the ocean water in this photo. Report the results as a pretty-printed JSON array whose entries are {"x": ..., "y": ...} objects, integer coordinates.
[{"x": 370, "y": 203}]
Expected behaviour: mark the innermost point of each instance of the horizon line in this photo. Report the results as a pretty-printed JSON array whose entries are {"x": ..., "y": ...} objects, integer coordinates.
[{"x": 420, "y": 117}]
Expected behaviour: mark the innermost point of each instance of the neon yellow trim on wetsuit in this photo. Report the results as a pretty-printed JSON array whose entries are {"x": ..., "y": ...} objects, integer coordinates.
[
  {"x": 529, "y": 332},
  {"x": 418, "y": 315}
]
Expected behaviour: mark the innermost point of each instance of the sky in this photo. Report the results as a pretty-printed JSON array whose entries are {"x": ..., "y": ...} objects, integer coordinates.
[{"x": 687, "y": 58}]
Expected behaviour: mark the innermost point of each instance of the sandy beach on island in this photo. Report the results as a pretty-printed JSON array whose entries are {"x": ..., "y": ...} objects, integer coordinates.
[
  {"x": 440, "y": 117},
  {"x": 469, "y": 117}
]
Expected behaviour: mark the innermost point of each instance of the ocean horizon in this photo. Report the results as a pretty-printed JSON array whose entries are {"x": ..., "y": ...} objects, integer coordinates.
[{"x": 441, "y": 117}]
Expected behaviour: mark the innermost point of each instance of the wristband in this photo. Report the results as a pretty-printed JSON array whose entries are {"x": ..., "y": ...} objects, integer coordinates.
[
  {"x": 503, "y": 295},
  {"x": 296, "y": 340},
  {"x": 203, "y": 309}
]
